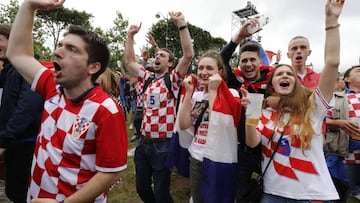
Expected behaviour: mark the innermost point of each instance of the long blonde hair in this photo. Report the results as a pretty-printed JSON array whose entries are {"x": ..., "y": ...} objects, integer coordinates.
[
  {"x": 299, "y": 104},
  {"x": 109, "y": 84}
]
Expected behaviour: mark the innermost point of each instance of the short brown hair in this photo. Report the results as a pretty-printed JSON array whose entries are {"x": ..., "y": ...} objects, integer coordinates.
[{"x": 5, "y": 30}]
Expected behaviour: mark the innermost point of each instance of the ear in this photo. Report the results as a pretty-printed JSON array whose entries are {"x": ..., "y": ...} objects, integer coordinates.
[
  {"x": 94, "y": 68},
  {"x": 170, "y": 64},
  {"x": 309, "y": 52},
  {"x": 288, "y": 55}
]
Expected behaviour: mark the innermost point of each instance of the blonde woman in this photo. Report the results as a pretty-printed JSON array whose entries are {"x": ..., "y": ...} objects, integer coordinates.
[{"x": 298, "y": 172}]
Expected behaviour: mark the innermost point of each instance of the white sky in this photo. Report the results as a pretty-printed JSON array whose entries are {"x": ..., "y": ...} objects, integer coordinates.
[{"x": 288, "y": 18}]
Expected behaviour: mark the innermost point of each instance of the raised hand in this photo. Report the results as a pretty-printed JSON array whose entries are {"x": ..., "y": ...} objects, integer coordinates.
[
  {"x": 178, "y": 18},
  {"x": 150, "y": 39},
  {"x": 214, "y": 82},
  {"x": 44, "y": 4},
  {"x": 334, "y": 7},
  {"x": 188, "y": 83},
  {"x": 133, "y": 29}
]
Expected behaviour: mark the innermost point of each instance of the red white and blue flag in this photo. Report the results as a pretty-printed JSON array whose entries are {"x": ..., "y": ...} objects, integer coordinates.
[{"x": 220, "y": 159}]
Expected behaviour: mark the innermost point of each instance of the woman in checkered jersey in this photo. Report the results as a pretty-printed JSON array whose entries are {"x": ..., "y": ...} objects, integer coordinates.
[{"x": 298, "y": 171}]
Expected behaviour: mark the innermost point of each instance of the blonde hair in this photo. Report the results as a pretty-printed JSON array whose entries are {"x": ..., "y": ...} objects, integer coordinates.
[
  {"x": 299, "y": 104},
  {"x": 109, "y": 83}
]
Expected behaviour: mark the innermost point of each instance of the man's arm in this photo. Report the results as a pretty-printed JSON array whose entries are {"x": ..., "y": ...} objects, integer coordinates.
[
  {"x": 130, "y": 59},
  {"x": 20, "y": 50},
  {"x": 229, "y": 49},
  {"x": 96, "y": 185},
  {"x": 329, "y": 74},
  {"x": 186, "y": 44}
]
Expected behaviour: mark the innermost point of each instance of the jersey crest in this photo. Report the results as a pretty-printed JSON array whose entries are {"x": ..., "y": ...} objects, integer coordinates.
[{"x": 80, "y": 126}]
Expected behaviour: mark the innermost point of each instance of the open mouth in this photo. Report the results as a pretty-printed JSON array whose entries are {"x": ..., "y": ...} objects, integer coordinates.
[
  {"x": 299, "y": 58},
  {"x": 284, "y": 84},
  {"x": 57, "y": 66}
]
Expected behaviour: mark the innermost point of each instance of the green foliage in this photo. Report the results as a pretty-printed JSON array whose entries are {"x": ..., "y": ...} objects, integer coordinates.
[
  {"x": 8, "y": 12},
  {"x": 116, "y": 37},
  {"x": 55, "y": 21},
  {"x": 7, "y": 15},
  {"x": 166, "y": 34}
]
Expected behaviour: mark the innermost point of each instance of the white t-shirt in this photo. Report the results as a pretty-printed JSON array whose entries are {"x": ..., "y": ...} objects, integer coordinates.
[
  {"x": 296, "y": 173},
  {"x": 197, "y": 146}
]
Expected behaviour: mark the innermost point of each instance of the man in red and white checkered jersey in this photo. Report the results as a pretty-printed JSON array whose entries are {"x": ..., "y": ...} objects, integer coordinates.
[
  {"x": 82, "y": 145},
  {"x": 347, "y": 120},
  {"x": 159, "y": 112}
]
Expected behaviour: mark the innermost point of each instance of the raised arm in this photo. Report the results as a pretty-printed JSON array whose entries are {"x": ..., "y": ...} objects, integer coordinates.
[
  {"x": 184, "y": 115},
  {"x": 20, "y": 50},
  {"x": 130, "y": 60},
  {"x": 186, "y": 43},
  {"x": 328, "y": 76},
  {"x": 150, "y": 39},
  {"x": 228, "y": 50}
]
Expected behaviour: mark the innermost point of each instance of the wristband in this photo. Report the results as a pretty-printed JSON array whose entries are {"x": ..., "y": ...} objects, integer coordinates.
[
  {"x": 182, "y": 27},
  {"x": 332, "y": 27}
]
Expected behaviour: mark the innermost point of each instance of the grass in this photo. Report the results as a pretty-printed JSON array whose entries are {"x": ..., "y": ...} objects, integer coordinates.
[{"x": 125, "y": 191}]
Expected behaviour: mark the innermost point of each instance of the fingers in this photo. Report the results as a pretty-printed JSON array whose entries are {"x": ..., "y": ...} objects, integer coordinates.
[{"x": 244, "y": 92}]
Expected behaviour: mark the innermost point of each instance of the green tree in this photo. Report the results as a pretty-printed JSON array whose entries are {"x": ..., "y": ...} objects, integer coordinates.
[
  {"x": 116, "y": 37},
  {"x": 8, "y": 11},
  {"x": 7, "y": 15},
  {"x": 166, "y": 34},
  {"x": 55, "y": 21}
]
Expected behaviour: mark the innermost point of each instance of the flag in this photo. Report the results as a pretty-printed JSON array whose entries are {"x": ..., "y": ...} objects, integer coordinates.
[
  {"x": 220, "y": 160},
  {"x": 270, "y": 54}
]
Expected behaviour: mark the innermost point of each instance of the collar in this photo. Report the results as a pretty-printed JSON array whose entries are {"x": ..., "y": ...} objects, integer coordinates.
[{"x": 82, "y": 96}]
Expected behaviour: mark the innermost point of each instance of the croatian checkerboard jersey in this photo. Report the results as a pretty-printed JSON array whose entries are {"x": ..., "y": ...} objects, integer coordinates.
[
  {"x": 296, "y": 173},
  {"x": 77, "y": 139},
  {"x": 159, "y": 107}
]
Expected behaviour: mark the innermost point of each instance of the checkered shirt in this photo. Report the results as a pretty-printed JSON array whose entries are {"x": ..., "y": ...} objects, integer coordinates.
[
  {"x": 354, "y": 111},
  {"x": 159, "y": 107},
  {"x": 77, "y": 139},
  {"x": 139, "y": 96}
]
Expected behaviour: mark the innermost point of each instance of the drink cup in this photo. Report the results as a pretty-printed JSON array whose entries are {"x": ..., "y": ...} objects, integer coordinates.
[
  {"x": 357, "y": 121},
  {"x": 253, "y": 110}
]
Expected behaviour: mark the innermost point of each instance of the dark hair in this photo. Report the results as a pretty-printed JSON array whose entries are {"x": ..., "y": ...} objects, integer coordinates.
[
  {"x": 95, "y": 47},
  {"x": 219, "y": 61},
  {"x": 171, "y": 55},
  {"x": 5, "y": 30},
  {"x": 250, "y": 46},
  {"x": 347, "y": 74}
]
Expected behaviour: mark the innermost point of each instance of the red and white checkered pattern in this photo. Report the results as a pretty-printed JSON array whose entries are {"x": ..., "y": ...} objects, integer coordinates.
[
  {"x": 298, "y": 173},
  {"x": 139, "y": 96},
  {"x": 77, "y": 139},
  {"x": 354, "y": 111},
  {"x": 159, "y": 107}
]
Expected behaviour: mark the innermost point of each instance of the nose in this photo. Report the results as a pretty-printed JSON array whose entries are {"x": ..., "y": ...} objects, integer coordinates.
[
  {"x": 58, "y": 53},
  {"x": 248, "y": 63}
]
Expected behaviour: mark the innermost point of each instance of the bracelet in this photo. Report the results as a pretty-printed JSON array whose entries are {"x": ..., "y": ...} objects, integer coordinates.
[
  {"x": 332, "y": 27},
  {"x": 182, "y": 27}
]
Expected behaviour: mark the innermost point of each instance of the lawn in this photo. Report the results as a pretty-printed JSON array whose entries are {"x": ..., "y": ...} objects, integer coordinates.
[{"x": 125, "y": 191}]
